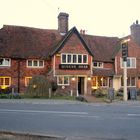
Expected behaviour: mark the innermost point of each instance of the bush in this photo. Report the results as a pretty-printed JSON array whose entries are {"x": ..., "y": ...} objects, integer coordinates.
[
  {"x": 100, "y": 92},
  {"x": 38, "y": 86}
]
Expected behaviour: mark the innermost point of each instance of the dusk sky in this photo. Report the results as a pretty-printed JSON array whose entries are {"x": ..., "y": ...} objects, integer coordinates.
[{"x": 97, "y": 17}]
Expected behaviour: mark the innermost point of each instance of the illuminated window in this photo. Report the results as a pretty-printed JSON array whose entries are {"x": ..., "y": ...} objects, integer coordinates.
[
  {"x": 5, "y": 81},
  {"x": 35, "y": 63},
  {"x": 63, "y": 80},
  {"x": 27, "y": 80}
]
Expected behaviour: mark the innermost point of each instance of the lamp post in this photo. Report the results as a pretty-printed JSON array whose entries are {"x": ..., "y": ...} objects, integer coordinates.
[{"x": 124, "y": 46}]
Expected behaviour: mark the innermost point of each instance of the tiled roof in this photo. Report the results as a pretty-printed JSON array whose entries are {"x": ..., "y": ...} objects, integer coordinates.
[
  {"x": 103, "y": 72},
  {"x": 26, "y": 42},
  {"x": 102, "y": 47}
]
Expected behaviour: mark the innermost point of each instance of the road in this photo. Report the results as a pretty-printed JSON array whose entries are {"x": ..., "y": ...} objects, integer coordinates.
[{"x": 75, "y": 120}]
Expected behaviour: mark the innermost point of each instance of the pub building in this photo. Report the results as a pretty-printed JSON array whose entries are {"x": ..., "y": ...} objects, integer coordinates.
[{"x": 79, "y": 63}]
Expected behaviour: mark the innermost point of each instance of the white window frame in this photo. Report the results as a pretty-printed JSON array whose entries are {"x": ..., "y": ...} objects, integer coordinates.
[
  {"x": 71, "y": 54},
  {"x": 121, "y": 63},
  {"x": 98, "y": 66},
  {"x": 130, "y": 82},
  {"x": 32, "y": 66},
  {"x": 4, "y": 60},
  {"x": 63, "y": 84}
]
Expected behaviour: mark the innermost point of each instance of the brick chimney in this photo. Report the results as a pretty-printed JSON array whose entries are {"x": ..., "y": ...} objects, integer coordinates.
[
  {"x": 63, "y": 23},
  {"x": 135, "y": 32}
]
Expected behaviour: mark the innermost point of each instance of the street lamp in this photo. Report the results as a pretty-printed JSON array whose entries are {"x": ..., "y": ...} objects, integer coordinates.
[{"x": 124, "y": 46}]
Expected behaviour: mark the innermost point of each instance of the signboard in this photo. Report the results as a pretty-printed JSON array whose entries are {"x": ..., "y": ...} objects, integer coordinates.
[
  {"x": 124, "y": 51},
  {"x": 74, "y": 66}
]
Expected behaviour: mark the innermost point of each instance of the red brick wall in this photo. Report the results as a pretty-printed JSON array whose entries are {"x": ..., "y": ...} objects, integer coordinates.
[
  {"x": 133, "y": 51},
  {"x": 24, "y": 72},
  {"x": 75, "y": 46}
]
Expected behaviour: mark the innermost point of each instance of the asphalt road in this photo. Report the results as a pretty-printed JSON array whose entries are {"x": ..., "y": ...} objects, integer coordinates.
[{"x": 76, "y": 121}]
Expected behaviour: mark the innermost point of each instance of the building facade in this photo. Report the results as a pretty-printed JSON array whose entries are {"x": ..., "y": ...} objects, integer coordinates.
[{"x": 78, "y": 62}]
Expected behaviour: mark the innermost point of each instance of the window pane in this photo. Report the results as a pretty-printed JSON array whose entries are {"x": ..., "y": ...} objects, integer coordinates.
[
  {"x": 27, "y": 80},
  {"x": 84, "y": 58},
  {"x": 133, "y": 81},
  {"x": 1, "y": 81},
  {"x": 133, "y": 63},
  {"x": 79, "y": 58},
  {"x": 41, "y": 63},
  {"x": 69, "y": 58},
  {"x": 74, "y": 58},
  {"x": 63, "y": 58},
  {"x": 35, "y": 63},
  {"x": 94, "y": 81},
  {"x": 7, "y": 62},
  {"x": 128, "y": 62},
  {"x": 95, "y": 64},
  {"x": 128, "y": 81},
  {"x": 104, "y": 81},
  {"x": 66, "y": 80},
  {"x": 1, "y": 61},
  {"x": 60, "y": 80},
  {"x": 29, "y": 63},
  {"x": 7, "y": 81},
  {"x": 100, "y": 64}
]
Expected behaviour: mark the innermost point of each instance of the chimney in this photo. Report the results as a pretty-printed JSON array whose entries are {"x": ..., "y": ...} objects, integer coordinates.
[
  {"x": 135, "y": 32},
  {"x": 63, "y": 23}
]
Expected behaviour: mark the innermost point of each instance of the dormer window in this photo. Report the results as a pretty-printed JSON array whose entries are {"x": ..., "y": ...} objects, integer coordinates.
[
  {"x": 6, "y": 62},
  {"x": 98, "y": 64}
]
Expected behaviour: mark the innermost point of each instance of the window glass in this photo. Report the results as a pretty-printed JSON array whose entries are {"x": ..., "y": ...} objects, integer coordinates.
[
  {"x": 66, "y": 81},
  {"x": 29, "y": 63},
  {"x": 128, "y": 81},
  {"x": 94, "y": 81},
  {"x": 79, "y": 58},
  {"x": 1, "y": 81},
  {"x": 74, "y": 58},
  {"x": 133, "y": 82},
  {"x": 35, "y": 63},
  {"x": 84, "y": 58},
  {"x": 69, "y": 58},
  {"x": 60, "y": 80},
  {"x": 7, "y": 81},
  {"x": 41, "y": 63},
  {"x": 63, "y": 58}
]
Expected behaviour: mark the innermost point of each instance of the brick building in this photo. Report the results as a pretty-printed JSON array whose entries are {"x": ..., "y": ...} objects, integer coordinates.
[{"x": 78, "y": 62}]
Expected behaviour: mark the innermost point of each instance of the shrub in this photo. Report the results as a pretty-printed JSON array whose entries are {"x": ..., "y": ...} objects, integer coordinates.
[
  {"x": 100, "y": 92},
  {"x": 38, "y": 86}
]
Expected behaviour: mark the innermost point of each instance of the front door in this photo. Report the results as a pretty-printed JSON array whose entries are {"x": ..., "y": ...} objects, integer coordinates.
[{"x": 81, "y": 85}]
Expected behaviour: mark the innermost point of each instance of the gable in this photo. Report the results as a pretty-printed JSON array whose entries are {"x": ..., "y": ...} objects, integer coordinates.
[{"x": 73, "y": 42}]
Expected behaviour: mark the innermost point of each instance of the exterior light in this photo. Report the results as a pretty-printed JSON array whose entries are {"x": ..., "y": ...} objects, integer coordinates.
[
  {"x": 73, "y": 78},
  {"x": 89, "y": 78},
  {"x": 34, "y": 86}
]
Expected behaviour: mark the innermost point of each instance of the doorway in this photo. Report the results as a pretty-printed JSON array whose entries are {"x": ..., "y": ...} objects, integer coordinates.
[{"x": 81, "y": 85}]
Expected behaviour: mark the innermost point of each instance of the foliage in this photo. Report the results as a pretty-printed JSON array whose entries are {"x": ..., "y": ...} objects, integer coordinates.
[
  {"x": 39, "y": 86},
  {"x": 100, "y": 92}
]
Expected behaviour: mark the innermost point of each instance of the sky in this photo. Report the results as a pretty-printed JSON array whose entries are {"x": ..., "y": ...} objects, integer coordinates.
[{"x": 97, "y": 17}]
